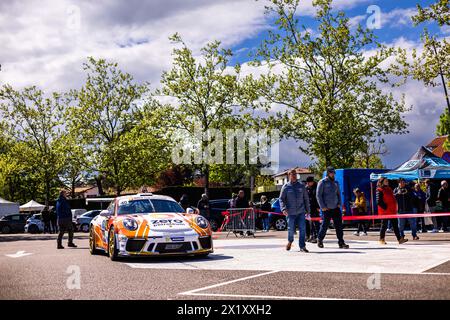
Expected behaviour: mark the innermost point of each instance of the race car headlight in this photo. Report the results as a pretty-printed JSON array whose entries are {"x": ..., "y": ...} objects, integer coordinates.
[
  {"x": 201, "y": 222},
  {"x": 130, "y": 224}
]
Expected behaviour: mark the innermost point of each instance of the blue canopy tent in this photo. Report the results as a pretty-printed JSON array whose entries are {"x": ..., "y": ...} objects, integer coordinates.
[{"x": 422, "y": 165}]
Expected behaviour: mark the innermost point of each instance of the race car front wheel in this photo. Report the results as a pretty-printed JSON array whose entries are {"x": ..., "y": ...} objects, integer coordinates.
[
  {"x": 92, "y": 249},
  {"x": 113, "y": 252}
]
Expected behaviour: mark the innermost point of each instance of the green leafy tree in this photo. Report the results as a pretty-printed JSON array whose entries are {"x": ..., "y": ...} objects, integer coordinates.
[
  {"x": 432, "y": 65},
  {"x": 34, "y": 122},
  {"x": 326, "y": 87},
  {"x": 204, "y": 92},
  {"x": 119, "y": 135}
]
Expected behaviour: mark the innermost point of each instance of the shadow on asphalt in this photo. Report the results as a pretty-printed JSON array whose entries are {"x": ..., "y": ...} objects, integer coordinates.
[
  {"x": 172, "y": 259},
  {"x": 42, "y": 237}
]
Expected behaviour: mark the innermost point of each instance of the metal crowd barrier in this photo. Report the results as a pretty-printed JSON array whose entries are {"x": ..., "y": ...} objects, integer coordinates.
[{"x": 240, "y": 221}]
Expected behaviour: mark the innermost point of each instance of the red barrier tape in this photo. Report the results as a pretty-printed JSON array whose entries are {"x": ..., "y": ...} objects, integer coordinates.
[{"x": 348, "y": 218}]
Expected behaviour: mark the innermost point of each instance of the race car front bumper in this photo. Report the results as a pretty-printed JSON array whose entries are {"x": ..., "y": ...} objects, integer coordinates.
[{"x": 184, "y": 243}]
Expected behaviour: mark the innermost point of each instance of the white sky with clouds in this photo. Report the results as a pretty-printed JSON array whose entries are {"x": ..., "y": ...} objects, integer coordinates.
[{"x": 46, "y": 42}]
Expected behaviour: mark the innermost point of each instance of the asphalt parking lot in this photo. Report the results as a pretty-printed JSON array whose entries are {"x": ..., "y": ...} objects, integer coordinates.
[{"x": 240, "y": 268}]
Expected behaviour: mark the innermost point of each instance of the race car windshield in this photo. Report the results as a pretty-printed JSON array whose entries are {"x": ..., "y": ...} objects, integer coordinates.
[{"x": 148, "y": 206}]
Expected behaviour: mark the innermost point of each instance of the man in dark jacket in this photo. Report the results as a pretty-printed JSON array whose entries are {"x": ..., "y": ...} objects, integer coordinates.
[
  {"x": 294, "y": 203},
  {"x": 311, "y": 187},
  {"x": 442, "y": 197},
  {"x": 329, "y": 199},
  {"x": 430, "y": 204},
  {"x": 241, "y": 200},
  {"x": 184, "y": 201},
  {"x": 46, "y": 219},
  {"x": 64, "y": 215},
  {"x": 404, "y": 198},
  {"x": 203, "y": 206}
]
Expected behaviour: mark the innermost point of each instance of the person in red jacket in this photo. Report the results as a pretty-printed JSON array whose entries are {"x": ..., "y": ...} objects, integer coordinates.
[{"x": 387, "y": 205}]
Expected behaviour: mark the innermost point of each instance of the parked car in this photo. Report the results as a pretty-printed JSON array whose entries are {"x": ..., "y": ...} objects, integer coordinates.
[
  {"x": 77, "y": 212},
  {"x": 279, "y": 222},
  {"x": 84, "y": 220},
  {"x": 13, "y": 223},
  {"x": 34, "y": 224},
  {"x": 216, "y": 207}
]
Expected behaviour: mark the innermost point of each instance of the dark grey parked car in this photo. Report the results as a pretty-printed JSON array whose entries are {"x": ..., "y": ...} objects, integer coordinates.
[{"x": 13, "y": 223}]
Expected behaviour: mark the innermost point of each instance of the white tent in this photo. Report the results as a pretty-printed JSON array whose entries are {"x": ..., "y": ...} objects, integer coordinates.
[
  {"x": 8, "y": 207},
  {"x": 31, "y": 206}
]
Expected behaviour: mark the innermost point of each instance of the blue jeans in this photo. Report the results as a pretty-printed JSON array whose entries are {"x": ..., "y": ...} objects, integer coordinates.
[
  {"x": 293, "y": 221},
  {"x": 266, "y": 224},
  {"x": 412, "y": 224}
]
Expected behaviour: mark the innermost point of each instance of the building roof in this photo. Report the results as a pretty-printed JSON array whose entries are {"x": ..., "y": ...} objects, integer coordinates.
[
  {"x": 84, "y": 189},
  {"x": 437, "y": 146},
  {"x": 297, "y": 169}
]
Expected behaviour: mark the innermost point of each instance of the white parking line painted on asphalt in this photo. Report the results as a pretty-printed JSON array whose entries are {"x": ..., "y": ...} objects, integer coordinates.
[
  {"x": 18, "y": 254},
  {"x": 228, "y": 282},
  {"x": 269, "y": 254},
  {"x": 261, "y": 297}
]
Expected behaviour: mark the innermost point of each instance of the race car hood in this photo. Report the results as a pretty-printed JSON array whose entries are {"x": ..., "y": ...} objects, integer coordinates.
[{"x": 167, "y": 222}]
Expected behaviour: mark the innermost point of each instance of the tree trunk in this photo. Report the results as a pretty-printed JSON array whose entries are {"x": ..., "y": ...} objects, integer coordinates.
[
  {"x": 206, "y": 173},
  {"x": 47, "y": 191},
  {"x": 98, "y": 181},
  {"x": 72, "y": 193},
  {"x": 444, "y": 85}
]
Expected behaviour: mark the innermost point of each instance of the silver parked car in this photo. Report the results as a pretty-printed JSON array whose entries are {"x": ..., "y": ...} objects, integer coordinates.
[{"x": 83, "y": 221}]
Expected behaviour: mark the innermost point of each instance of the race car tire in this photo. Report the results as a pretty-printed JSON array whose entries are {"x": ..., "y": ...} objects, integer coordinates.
[
  {"x": 33, "y": 229},
  {"x": 92, "y": 248},
  {"x": 202, "y": 255},
  {"x": 113, "y": 252}
]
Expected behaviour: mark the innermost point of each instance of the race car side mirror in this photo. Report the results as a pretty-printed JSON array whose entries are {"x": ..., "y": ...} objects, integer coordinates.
[{"x": 190, "y": 211}]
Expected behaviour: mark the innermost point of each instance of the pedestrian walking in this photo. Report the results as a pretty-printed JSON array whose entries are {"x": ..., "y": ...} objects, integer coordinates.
[
  {"x": 65, "y": 224},
  {"x": 294, "y": 204},
  {"x": 359, "y": 208},
  {"x": 203, "y": 206},
  {"x": 184, "y": 201},
  {"x": 311, "y": 188},
  {"x": 387, "y": 205},
  {"x": 430, "y": 205},
  {"x": 442, "y": 202},
  {"x": 53, "y": 221},
  {"x": 45, "y": 213},
  {"x": 265, "y": 207},
  {"x": 419, "y": 199},
  {"x": 329, "y": 199},
  {"x": 404, "y": 198}
]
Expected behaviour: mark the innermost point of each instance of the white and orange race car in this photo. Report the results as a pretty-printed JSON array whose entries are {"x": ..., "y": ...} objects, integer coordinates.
[{"x": 147, "y": 224}]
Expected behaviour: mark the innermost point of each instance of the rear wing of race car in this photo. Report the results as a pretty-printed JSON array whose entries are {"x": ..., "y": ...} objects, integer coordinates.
[{"x": 104, "y": 202}]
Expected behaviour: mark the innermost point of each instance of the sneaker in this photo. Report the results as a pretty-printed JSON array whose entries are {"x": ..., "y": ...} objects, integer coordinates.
[
  {"x": 389, "y": 231},
  {"x": 416, "y": 238},
  {"x": 288, "y": 246},
  {"x": 319, "y": 244},
  {"x": 364, "y": 234},
  {"x": 344, "y": 246},
  {"x": 60, "y": 246},
  {"x": 304, "y": 250},
  {"x": 382, "y": 241},
  {"x": 402, "y": 240},
  {"x": 434, "y": 231},
  {"x": 356, "y": 233},
  {"x": 72, "y": 245},
  {"x": 313, "y": 241}
]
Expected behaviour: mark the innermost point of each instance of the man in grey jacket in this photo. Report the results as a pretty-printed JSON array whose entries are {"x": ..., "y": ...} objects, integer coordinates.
[
  {"x": 329, "y": 198},
  {"x": 294, "y": 203}
]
